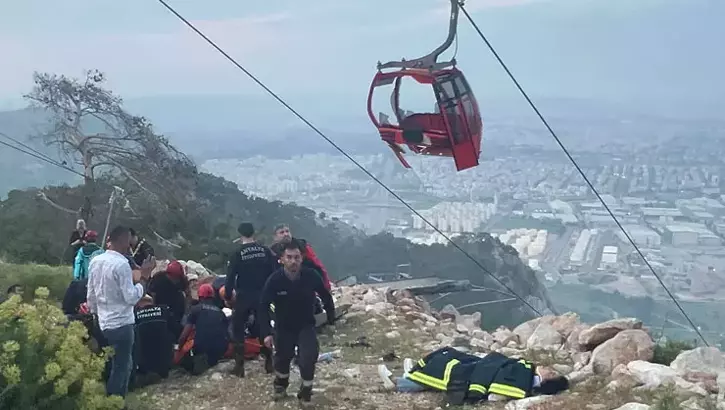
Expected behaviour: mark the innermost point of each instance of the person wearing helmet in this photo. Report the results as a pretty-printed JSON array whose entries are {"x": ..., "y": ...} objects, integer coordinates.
[
  {"x": 88, "y": 251},
  {"x": 167, "y": 288},
  {"x": 211, "y": 331},
  {"x": 249, "y": 268}
]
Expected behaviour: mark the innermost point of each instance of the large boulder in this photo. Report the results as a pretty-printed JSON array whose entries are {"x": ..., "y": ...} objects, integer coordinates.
[
  {"x": 503, "y": 336},
  {"x": 566, "y": 323},
  {"x": 654, "y": 375},
  {"x": 600, "y": 333},
  {"x": 701, "y": 359},
  {"x": 195, "y": 268},
  {"x": 625, "y": 347},
  {"x": 471, "y": 322},
  {"x": 526, "y": 329},
  {"x": 544, "y": 337},
  {"x": 449, "y": 312}
]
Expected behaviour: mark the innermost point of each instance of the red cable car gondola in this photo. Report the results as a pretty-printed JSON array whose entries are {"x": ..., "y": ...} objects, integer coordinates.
[{"x": 454, "y": 130}]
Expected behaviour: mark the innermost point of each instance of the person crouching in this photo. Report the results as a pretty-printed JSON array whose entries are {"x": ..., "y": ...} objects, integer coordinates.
[
  {"x": 211, "y": 331},
  {"x": 154, "y": 347}
]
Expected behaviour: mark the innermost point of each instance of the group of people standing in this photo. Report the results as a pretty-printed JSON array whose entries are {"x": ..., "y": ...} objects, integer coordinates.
[
  {"x": 287, "y": 278},
  {"x": 274, "y": 293}
]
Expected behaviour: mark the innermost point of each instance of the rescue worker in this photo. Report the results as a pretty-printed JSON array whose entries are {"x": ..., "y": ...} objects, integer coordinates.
[
  {"x": 249, "y": 268},
  {"x": 282, "y": 233},
  {"x": 211, "y": 331},
  {"x": 292, "y": 290},
  {"x": 169, "y": 288},
  {"x": 75, "y": 308},
  {"x": 220, "y": 293},
  {"x": 468, "y": 378},
  {"x": 154, "y": 347}
]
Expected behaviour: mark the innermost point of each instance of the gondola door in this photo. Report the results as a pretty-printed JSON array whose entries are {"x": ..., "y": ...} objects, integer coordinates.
[{"x": 451, "y": 101}]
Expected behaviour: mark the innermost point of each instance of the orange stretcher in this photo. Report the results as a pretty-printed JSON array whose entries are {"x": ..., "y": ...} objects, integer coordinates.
[{"x": 251, "y": 348}]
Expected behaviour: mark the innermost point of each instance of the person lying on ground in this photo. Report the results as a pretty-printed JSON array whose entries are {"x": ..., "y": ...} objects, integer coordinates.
[
  {"x": 211, "y": 331},
  {"x": 154, "y": 347},
  {"x": 467, "y": 378}
]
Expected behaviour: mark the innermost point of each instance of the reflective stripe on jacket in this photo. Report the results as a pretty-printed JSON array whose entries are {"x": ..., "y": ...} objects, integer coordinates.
[{"x": 449, "y": 370}]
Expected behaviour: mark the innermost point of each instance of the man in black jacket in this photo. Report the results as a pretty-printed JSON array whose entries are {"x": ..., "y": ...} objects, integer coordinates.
[
  {"x": 155, "y": 337},
  {"x": 249, "y": 268},
  {"x": 140, "y": 249},
  {"x": 292, "y": 289}
]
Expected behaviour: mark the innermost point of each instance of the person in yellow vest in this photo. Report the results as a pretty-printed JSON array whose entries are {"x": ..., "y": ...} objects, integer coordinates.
[{"x": 467, "y": 378}]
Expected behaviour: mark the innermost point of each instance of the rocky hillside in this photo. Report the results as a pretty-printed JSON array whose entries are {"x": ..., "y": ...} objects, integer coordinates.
[
  {"x": 610, "y": 364},
  {"x": 204, "y": 226}
]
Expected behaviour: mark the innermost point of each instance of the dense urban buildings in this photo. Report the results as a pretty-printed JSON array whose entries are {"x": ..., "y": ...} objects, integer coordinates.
[{"x": 670, "y": 206}]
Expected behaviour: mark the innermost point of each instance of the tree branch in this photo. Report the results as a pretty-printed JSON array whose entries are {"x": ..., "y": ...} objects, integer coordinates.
[{"x": 45, "y": 198}]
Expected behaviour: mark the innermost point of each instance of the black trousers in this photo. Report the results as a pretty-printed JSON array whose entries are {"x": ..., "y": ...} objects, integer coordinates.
[
  {"x": 246, "y": 304},
  {"x": 305, "y": 340}
]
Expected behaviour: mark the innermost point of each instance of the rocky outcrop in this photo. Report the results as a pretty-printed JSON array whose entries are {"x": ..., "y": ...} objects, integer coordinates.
[
  {"x": 193, "y": 269},
  {"x": 619, "y": 350},
  {"x": 609, "y": 360}
]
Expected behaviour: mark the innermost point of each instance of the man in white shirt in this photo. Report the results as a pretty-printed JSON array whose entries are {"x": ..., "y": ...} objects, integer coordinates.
[{"x": 113, "y": 290}]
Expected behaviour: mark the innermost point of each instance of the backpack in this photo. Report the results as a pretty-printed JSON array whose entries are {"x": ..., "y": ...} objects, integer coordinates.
[{"x": 83, "y": 259}]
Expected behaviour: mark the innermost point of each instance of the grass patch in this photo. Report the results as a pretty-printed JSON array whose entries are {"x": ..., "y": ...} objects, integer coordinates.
[
  {"x": 31, "y": 276},
  {"x": 666, "y": 353},
  {"x": 666, "y": 400},
  {"x": 708, "y": 403}
]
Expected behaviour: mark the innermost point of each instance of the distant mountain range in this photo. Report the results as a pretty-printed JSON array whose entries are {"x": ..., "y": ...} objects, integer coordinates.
[{"x": 212, "y": 126}]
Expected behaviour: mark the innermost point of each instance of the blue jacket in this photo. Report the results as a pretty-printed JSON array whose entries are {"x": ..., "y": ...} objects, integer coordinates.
[{"x": 83, "y": 258}]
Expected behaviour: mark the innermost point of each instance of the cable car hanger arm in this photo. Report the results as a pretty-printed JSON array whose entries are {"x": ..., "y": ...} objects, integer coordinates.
[{"x": 430, "y": 61}]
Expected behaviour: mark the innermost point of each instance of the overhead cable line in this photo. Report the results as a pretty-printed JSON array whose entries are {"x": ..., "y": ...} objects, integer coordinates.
[
  {"x": 40, "y": 157},
  {"x": 334, "y": 145},
  {"x": 26, "y": 146},
  {"x": 579, "y": 169}
]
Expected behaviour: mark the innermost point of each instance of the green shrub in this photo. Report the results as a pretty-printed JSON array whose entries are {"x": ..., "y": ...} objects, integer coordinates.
[
  {"x": 667, "y": 400},
  {"x": 666, "y": 353},
  {"x": 44, "y": 361},
  {"x": 31, "y": 277}
]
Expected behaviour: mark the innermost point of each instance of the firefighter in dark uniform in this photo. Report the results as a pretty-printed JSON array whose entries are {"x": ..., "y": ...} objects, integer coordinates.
[
  {"x": 468, "y": 379},
  {"x": 249, "y": 268}
]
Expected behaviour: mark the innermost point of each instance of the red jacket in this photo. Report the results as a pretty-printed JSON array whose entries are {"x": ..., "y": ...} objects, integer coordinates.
[{"x": 310, "y": 254}]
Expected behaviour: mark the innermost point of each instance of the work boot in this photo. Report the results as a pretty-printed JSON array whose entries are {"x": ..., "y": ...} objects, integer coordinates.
[
  {"x": 280, "y": 388},
  {"x": 268, "y": 364},
  {"x": 200, "y": 364},
  {"x": 305, "y": 396},
  {"x": 238, "y": 360}
]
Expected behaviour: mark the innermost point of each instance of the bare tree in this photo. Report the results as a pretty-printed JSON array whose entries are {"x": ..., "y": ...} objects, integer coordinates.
[{"x": 92, "y": 130}]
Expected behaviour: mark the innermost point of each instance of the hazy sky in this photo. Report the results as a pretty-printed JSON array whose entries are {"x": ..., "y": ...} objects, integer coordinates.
[{"x": 616, "y": 49}]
